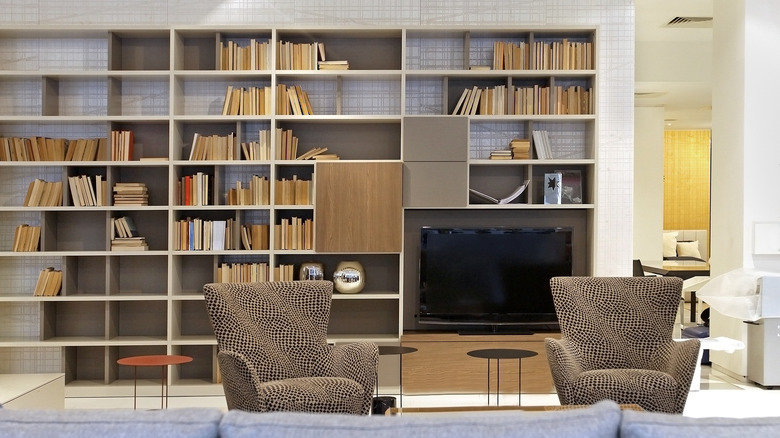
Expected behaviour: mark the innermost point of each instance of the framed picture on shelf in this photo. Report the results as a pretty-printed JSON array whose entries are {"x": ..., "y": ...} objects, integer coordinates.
[
  {"x": 571, "y": 186},
  {"x": 552, "y": 188}
]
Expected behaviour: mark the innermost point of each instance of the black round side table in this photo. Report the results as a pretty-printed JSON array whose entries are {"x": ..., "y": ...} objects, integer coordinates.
[
  {"x": 387, "y": 350},
  {"x": 498, "y": 354}
]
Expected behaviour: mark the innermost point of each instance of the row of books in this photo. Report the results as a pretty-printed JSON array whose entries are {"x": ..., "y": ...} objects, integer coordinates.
[
  {"x": 546, "y": 55},
  {"x": 508, "y": 55},
  {"x": 26, "y": 238},
  {"x": 213, "y": 147},
  {"x": 194, "y": 190},
  {"x": 286, "y": 144},
  {"x": 250, "y": 101},
  {"x": 297, "y": 102},
  {"x": 242, "y": 272},
  {"x": 255, "y": 56},
  {"x": 293, "y": 191},
  {"x": 42, "y": 193},
  {"x": 122, "y": 145},
  {"x": 284, "y": 273},
  {"x": 258, "y": 192},
  {"x": 60, "y": 149},
  {"x": 49, "y": 283},
  {"x": 260, "y": 149},
  {"x": 299, "y": 56},
  {"x": 203, "y": 235},
  {"x": 222, "y": 147},
  {"x": 573, "y": 100},
  {"x": 51, "y": 149},
  {"x": 542, "y": 145},
  {"x": 535, "y": 100},
  {"x": 255, "y": 237},
  {"x": 563, "y": 55},
  {"x": 131, "y": 193},
  {"x": 85, "y": 193},
  {"x": 294, "y": 233}
]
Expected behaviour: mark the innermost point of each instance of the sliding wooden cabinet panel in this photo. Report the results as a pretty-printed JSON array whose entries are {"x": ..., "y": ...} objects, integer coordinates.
[{"x": 358, "y": 207}]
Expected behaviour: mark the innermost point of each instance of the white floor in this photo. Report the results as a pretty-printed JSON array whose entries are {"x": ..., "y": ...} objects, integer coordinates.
[{"x": 720, "y": 395}]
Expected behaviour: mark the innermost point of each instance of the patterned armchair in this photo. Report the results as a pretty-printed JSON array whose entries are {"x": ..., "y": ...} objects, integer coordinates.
[
  {"x": 616, "y": 342},
  {"x": 273, "y": 352}
]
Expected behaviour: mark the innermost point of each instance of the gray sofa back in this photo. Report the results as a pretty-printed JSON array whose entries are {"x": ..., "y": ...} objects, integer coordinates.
[{"x": 602, "y": 420}]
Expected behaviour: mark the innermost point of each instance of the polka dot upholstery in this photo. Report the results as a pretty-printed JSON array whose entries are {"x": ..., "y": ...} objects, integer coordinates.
[
  {"x": 273, "y": 351},
  {"x": 616, "y": 342}
]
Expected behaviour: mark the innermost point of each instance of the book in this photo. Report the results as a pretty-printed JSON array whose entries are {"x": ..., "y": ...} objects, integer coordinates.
[
  {"x": 542, "y": 145},
  {"x": 505, "y": 200},
  {"x": 462, "y": 99},
  {"x": 218, "y": 235},
  {"x": 571, "y": 186},
  {"x": 552, "y": 188}
]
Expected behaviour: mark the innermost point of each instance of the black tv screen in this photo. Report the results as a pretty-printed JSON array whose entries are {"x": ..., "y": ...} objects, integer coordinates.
[{"x": 491, "y": 276}]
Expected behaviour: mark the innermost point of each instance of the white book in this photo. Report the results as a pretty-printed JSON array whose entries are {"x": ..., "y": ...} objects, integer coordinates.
[{"x": 218, "y": 235}]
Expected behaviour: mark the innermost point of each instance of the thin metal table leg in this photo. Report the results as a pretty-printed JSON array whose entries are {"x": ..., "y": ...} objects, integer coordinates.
[
  {"x": 498, "y": 381},
  {"x": 519, "y": 381},
  {"x": 488, "y": 382},
  {"x": 135, "y": 388},
  {"x": 163, "y": 387}
]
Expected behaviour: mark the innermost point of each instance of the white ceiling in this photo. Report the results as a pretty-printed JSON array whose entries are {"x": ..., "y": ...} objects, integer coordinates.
[{"x": 673, "y": 63}]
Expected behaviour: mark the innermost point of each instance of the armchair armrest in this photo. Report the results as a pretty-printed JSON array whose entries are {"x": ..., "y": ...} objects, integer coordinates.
[
  {"x": 562, "y": 359},
  {"x": 678, "y": 359},
  {"x": 239, "y": 393},
  {"x": 564, "y": 367},
  {"x": 357, "y": 361}
]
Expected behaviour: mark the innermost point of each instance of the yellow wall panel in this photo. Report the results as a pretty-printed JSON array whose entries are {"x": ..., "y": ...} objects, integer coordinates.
[{"x": 687, "y": 180}]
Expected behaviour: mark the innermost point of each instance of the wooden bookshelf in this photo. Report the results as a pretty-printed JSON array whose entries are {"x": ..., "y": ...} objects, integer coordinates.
[{"x": 395, "y": 158}]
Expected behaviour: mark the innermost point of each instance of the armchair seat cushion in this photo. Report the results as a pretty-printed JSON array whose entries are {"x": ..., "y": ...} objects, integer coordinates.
[
  {"x": 336, "y": 395},
  {"x": 627, "y": 386}
]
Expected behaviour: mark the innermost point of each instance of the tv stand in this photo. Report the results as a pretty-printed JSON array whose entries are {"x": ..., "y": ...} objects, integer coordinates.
[{"x": 495, "y": 330}]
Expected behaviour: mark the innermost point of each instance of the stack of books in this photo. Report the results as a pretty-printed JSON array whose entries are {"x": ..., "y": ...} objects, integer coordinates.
[
  {"x": 124, "y": 235},
  {"x": 521, "y": 148},
  {"x": 501, "y": 154},
  {"x": 333, "y": 65},
  {"x": 131, "y": 193}
]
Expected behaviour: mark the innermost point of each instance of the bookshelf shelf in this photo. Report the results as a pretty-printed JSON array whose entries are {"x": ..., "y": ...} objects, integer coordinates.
[{"x": 166, "y": 85}]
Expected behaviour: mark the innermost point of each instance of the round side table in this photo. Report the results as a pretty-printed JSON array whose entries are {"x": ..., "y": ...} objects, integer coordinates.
[
  {"x": 386, "y": 350},
  {"x": 498, "y": 354},
  {"x": 154, "y": 360}
]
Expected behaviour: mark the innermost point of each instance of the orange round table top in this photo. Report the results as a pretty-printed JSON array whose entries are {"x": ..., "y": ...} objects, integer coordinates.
[{"x": 154, "y": 360}]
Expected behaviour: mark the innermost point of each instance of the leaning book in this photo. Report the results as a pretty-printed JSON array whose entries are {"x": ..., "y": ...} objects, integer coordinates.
[{"x": 506, "y": 200}]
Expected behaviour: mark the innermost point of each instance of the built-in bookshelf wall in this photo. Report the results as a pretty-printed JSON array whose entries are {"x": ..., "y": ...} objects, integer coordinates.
[{"x": 167, "y": 87}]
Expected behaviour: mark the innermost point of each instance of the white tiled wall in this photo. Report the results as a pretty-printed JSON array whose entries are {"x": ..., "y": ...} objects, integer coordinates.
[{"x": 614, "y": 18}]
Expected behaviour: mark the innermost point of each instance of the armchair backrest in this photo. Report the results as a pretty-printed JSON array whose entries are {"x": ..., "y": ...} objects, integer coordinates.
[
  {"x": 616, "y": 322},
  {"x": 280, "y": 327}
]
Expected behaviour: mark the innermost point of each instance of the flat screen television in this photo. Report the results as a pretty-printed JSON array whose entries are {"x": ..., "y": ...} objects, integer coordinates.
[{"x": 491, "y": 279}]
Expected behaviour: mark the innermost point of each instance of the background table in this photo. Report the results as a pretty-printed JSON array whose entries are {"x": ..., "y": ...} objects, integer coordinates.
[
  {"x": 154, "y": 360},
  {"x": 386, "y": 350},
  {"x": 498, "y": 354}
]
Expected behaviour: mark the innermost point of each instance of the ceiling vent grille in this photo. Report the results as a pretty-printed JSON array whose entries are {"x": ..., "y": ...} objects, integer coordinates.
[{"x": 690, "y": 22}]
